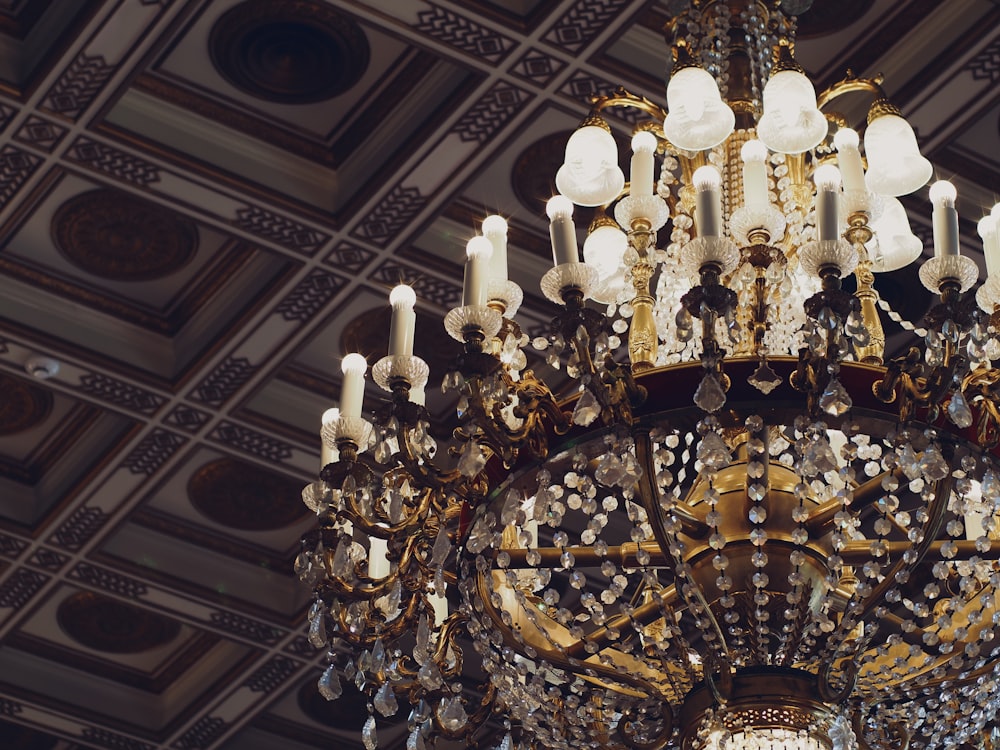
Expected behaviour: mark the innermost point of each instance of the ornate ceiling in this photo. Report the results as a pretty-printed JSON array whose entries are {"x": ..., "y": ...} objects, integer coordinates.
[{"x": 203, "y": 204}]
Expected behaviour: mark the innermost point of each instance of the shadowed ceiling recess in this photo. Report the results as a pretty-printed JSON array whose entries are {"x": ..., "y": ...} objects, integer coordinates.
[{"x": 747, "y": 529}]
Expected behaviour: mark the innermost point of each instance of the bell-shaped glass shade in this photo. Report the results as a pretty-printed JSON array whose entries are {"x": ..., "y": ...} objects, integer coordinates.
[
  {"x": 791, "y": 122},
  {"x": 590, "y": 175},
  {"x": 697, "y": 117},
  {"x": 893, "y": 244},
  {"x": 895, "y": 166},
  {"x": 604, "y": 249}
]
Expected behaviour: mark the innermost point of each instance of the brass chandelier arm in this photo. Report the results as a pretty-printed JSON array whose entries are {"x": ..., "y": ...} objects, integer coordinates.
[
  {"x": 982, "y": 386},
  {"x": 935, "y": 519},
  {"x": 821, "y": 517},
  {"x": 849, "y": 84},
  {"x": 855, "y": 553},
  {"x": 623, "y": 98},
  {"x": 932, "y": 528},
  {"x": 556, "y": 658},
  {"x": 424, "y": 470},
  {"x": 650, "y": 497}
]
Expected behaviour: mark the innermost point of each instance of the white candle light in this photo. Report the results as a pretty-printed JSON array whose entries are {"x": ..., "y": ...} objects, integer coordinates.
[
  {"x": 404, "y": 319},
  {"x": 562, "y": 230},
  {"x": 827, "y": 179},
  {"x": 495, "y": 230},
  {"x": 476, "y": 283},
  {"x": 440, "y": 606},
  {"x": 378, "y": 557},
  {"x": 643, "y": 148},
  {"x": 327, "y": 454},
  {"x": 755, "y": 193},
  {"x": 352, "y": 394},
  {"x": 849, "y": 160},
  {"x": 945, "y": 219},
  {"x": 708, "y": 201},
  {"x": 989, "y": 231}
]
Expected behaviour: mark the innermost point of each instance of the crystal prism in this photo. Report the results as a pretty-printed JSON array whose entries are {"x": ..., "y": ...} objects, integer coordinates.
[
  {"x": 764, "y": 379},
  {"x": 933, "y": 465},
  {"x": 610, "y": 470},
  {"x": 368, "y": 736},
  {"x": 709, "y": 395},
  {"x": 959, "y": 411},
  {"x": 451, "y": 714},
  {"x": 713, "y": 451},
  {"x": 472, "y": 460},
  {"x": 385, "y": 700},
  {"x": 587, "y": 409},
  {"x": 329, "y": 684},
  {"x": 416, "y": 740},
  {"x": 835, "y": 399}
]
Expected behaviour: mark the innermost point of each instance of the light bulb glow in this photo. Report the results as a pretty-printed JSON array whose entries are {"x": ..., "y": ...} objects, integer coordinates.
[
  {"x": 697, "y": 117},
  {"x": 354, "y": 363},
  {"x": 495, "y": 230},
  {"x": 644, "y": 141},
  {"x": 562, "y": 232},
  {"x": 330, "y": 416},
  {"x": 846, "y": 138},
  {"x": 478, "y": 251},
  {"x": 944, "y": 218},
  {"x": 590, "y": 174},
  {"x": 706, "y": 178},
  {"x": 791, "y": 123},
  {"x": 895, "y": 166},
  {"x": 559, "y": 207},
  {"x": 494, "y": 224},
  {"x": 402, "y": 296},
  {"x": 352, "y": 393},
  {"x": 827, "y": 177},
  {"x": 943, "y": 193},
  {"x": 753, "y": 151}
]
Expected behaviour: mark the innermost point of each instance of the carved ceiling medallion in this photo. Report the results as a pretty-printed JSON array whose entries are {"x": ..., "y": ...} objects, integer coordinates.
[
  {"x": 22, "y": 405},
  {"x": 288, "y": 51},
  {"x": 122, "y": 237},
  {"x": 242, "y": 496},
  {"x": 106, "y": 624}
]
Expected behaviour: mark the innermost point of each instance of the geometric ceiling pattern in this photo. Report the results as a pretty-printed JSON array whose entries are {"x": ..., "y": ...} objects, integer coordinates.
[{"x": 203, "y": 204}]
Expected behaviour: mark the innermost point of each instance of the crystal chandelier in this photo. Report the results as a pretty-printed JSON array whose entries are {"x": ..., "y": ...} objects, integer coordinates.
[{"x": 746, "y": 528}]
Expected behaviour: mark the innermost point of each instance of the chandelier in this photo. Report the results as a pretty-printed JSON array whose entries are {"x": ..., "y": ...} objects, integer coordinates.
[{"x": 746, "y": 527}]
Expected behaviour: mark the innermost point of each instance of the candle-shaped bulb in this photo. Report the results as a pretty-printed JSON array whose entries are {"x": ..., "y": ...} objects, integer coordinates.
[
  {"x": 328, "y": 454},
  {"x": 401, "y": 327},
  {"x": 755, "y": 193},
  {"x": 943, "y": 193},
  {"x": 989, "y": 229},
  {"x": 708, "y": 201},
  {"x": 476, "y": 285},
  {"x": 827, "y": 179},
  {"x": 849, "y": 160},
  {"x": 562, "y": 232},
  {"x": 495, "y": 230},
  {"x": 643, "y": 148},
  {"x": 945, "y": 218},
  {"x": 559, "y": 207},
  {"x": 995, "y": 212},
  {"x": 352, "y": 394}
]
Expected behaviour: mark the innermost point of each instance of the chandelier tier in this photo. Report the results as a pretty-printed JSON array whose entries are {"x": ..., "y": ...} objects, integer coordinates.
[{"x": 745, "y": 528}]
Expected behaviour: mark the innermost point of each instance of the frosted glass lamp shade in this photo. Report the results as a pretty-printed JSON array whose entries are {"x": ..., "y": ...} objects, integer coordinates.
[
  {"x": 895, "y": 166},
  {"x": 604, "y": 249},
  {"x": 697, "y": 117},
  {"x": 894, "y": 244},
  {"x": 791, "y": 122},
  {"x": 590, "y": 175}
]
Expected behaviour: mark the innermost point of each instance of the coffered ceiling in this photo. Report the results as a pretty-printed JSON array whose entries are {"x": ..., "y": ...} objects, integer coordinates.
[{"x": 203, "y": 204}]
